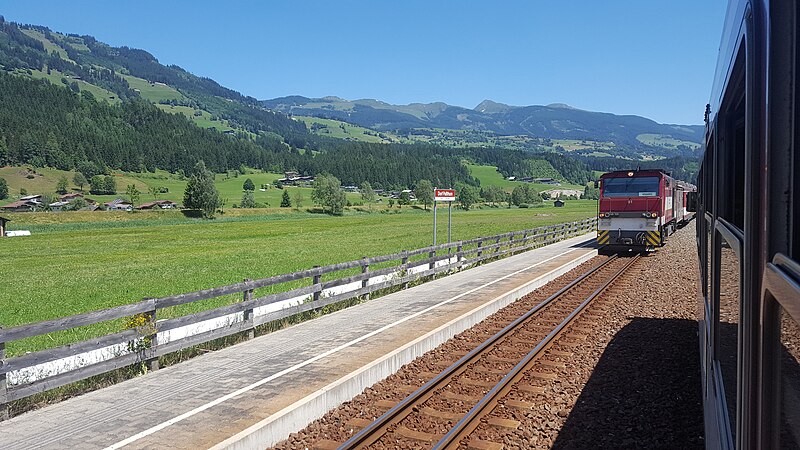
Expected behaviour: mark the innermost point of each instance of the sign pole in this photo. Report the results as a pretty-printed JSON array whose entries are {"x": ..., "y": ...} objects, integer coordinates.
[
  {"x": 449, "y": 220},
  {"x": 434, "y": 222},
  {"x": 444, "y": 195}
]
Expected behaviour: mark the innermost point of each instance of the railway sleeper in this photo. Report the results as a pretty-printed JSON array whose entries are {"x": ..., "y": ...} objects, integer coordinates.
[
  {"x": 490, "y": 370},
  {"x": 417, "y": 435},
  {"x": 509, "y": 424},
  {"x": 470, "y": 399},
  {"x": 554, "y": 364},
  {"x": 326, "y": 444},
  {"x": 477, "y": 444},
  {"x": 517, "y": 404},
  {"x": 493, "y": 358},
  {"x": 543, "y": 375},
  {"x": 478, "y": 383},
  {"x": 530, "y": 389},
  {"x": 447, "y": 415},
  {"x": 357, "y": 423}
]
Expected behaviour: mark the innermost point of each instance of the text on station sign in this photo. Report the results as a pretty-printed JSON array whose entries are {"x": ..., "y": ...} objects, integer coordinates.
[{"x": 444, "y": 195}]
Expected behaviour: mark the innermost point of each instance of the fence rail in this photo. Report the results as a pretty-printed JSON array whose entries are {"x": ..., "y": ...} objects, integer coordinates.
[{"x": 19, "y": 377}]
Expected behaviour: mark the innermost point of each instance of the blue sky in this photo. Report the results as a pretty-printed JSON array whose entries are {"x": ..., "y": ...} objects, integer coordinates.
[{"x": 650, "y": 58}]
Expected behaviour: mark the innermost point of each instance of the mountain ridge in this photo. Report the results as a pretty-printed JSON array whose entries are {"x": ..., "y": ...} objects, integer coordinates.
[{"x": 635, "y": 134}]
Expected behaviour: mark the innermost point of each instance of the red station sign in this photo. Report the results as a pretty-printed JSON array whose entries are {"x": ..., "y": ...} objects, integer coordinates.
[{"x": 444, "y": 195}]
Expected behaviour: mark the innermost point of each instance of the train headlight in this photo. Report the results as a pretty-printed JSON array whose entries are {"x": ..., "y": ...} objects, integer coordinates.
[
  {"x": 653, "y": 215},
  {"x": 602, "y": 215}
]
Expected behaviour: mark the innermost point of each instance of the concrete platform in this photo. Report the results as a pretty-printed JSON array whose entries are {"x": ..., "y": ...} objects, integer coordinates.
[{"x": 254, "y": 394}]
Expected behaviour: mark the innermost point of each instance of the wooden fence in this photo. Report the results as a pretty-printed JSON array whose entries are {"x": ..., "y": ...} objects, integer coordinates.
[{"x": 141, "y": 343}]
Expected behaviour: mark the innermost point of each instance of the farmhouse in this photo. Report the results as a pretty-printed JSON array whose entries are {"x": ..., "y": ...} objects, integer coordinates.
[
  {"x": 118, "y": 205},
  {"x": 555, "y": 193},
  {"x": 158, "y": 204},
  {"x": 294, "y": 179},
  {"x": 21, "y": 206},
  {"x": 547, "y": 181},
  {"x": 58, "y": 206},
  {"x": 71, "y": 196}
]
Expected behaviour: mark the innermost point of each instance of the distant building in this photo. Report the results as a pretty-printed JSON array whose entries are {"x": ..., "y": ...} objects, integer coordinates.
[
  {"x": 3, "y": 222},
  {"x": 547, "y": 181},
  {"x": 294, "y": 179},
  {"x": 21, "y": 206},
  {"x": 158, "y": 204},
  {"x": 556, "y": 193},
  {"x": 70, "y": 197},
  {"x": 118, "y": 205},
  {"x": 58, "y": 206}
]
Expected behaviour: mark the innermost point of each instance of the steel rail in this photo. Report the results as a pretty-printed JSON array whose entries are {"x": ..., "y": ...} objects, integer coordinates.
[
  {"x": 471, "y": 420},
  {"x": 371, "y": 433}
]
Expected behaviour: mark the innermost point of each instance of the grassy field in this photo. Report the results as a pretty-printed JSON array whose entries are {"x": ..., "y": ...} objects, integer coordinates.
[
  {"x": 230, "y": 187},
  {"x": 153, "y": 92},
  {"x": 343, "y": 130},
  {"x": 661, "y": 140},
  {"x": 55, "y": 77},
  {"x": 489, "y": 176},
  {"x": 574, "y": 144},
  {"x": 77, "y": 265},
  {"x": 49, "y": 46}
]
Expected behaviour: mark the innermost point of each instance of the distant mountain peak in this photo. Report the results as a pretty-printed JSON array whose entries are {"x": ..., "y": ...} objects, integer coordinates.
[
  {"x": 561, "y": 106},
  {"x": 492, "y": 107}
]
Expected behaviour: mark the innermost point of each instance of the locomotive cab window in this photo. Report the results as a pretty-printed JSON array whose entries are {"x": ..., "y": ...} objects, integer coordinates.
[{"x": 631, "y": 187}]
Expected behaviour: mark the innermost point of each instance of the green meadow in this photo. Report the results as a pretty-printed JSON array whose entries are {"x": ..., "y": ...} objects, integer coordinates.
[
  {"x": 44, "y": 181},
  {"x": 90, "y": 261},
  {"x": 489, "y": 176}
]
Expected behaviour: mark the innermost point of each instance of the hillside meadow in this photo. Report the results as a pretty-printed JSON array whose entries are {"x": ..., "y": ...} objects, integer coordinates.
[
  {"x": 90, "y": 261},
  {"x": 44, "y": 181}
]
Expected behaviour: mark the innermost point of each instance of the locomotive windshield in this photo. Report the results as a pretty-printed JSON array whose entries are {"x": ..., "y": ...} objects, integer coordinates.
[{"x": 630, "y": 187}]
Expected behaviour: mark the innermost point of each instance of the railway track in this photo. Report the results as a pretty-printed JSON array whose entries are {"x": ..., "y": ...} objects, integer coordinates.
[{"x": 457, "y": 406}]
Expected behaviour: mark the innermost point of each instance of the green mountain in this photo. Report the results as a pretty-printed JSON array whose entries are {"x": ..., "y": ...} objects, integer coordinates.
[
  {"x": 120, "y": 73},
  {"x": 625, "y": 135}
]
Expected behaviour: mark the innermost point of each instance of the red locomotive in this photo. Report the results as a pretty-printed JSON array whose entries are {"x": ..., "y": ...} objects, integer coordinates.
[{"x": 638, "y": 209}]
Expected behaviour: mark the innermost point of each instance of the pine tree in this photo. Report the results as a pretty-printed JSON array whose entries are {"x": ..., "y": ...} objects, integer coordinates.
[{"x": 286, "y": 202}]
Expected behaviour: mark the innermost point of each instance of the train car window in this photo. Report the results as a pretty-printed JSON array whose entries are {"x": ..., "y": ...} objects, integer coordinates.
[
  {"x": 731, "y": 147},
  {"x": 728, "y": 325},
  {"x": 790, "y": 382}
]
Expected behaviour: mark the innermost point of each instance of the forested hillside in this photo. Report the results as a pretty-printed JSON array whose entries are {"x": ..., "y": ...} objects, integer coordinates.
[
  {"x": 87, "y": 59},
  {"x": 47, "y": 125}
]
